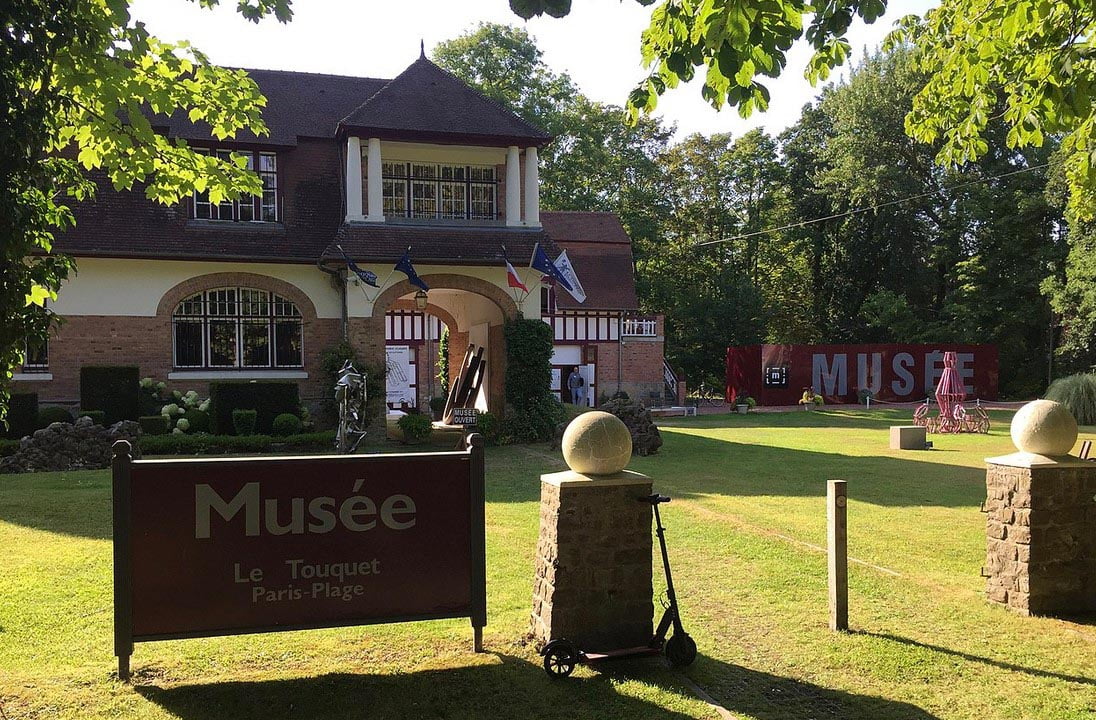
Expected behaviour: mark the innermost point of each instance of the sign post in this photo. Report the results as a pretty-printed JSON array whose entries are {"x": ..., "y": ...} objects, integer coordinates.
[
  {"x": 838, "y": 542},
  {"x": 245, "y": 545}
]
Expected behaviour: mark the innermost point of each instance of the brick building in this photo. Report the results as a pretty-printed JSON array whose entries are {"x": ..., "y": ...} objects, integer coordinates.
[{"x": 257, "y": 288}]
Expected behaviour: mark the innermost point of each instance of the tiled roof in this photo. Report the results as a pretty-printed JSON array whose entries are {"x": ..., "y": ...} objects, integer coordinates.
[
  {"x": 426, "y": 99},
  {"x": 369, "y": 242},
  {"x": 601, "y": 253},
  {"x": 298, "y": 105}
]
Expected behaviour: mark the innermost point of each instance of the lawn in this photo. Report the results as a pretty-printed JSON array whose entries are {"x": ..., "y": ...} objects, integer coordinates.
[{"x": 745, "y": 528}]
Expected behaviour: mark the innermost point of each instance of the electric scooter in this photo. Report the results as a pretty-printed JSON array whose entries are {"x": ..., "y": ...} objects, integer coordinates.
[{"x": 561, "y": 656}]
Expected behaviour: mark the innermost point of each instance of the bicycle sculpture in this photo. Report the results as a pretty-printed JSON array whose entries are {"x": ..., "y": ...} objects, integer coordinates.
[
  {"x": 953, "y": 416},
  {"x": 350, "y": 398}
]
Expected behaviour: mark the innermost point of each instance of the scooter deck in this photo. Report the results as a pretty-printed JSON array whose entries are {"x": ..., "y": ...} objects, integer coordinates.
[{"x": 641, "y": 651}]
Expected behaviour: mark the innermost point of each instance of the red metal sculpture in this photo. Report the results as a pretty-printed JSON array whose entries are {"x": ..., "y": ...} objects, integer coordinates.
[{"x": 953, "y": 417}]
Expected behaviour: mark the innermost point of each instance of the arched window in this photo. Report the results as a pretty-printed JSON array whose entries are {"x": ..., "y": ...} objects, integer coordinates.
[{"x": 237, "y": 328}]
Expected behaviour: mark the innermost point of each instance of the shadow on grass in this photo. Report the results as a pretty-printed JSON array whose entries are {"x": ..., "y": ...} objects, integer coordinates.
[
  {"x": 1034, "y": 672},
  {"x": 822, "y": 418},
  {"x": 512, "y": 688},
  {"x": 771, "y": 697},
  {"x": 699, "y": 465}
]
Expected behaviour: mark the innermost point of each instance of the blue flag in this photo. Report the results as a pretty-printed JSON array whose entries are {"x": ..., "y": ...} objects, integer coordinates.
[
  {"x": 404, "y": 266},
  {"x": 366, "y": 276},
  {"x": 540, "y": 262}
]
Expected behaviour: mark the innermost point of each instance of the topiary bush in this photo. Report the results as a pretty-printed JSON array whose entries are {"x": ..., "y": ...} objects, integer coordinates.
[
  {"x": 53, "y": 413},
  {"x": 153, "y": 424},
  {"x": 286, "y": 424},
  {"x": 1078, "y": 394},
  {"x": 22, "y": 415},
  {"x": 197, "y": 420},
  {"x": 267, "y": 399},
  {"x": 244, "y": 421},
  {"x": 114, "y": 389},
  {"x": 416, "y": 428},
  {"x": 528, "y": 363},
  {"x": 97, "y": 416}
]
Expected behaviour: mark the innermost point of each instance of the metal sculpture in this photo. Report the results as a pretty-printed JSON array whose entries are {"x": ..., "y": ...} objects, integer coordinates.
[
  {"x": 952, "y": 416},
  {"x": 350, "y": 398}
]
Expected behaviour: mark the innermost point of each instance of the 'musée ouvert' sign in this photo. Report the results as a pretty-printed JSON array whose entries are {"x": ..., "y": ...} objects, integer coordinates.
[{"x": 229, "y": 546}]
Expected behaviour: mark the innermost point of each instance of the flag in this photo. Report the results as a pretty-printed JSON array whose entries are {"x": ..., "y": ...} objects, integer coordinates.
[
  {"x": 512, "y": 278},
  {"x": 567, "y": 270},
  {"x": 366, "y": 276},
  {"x": 404, "y": 266},
  {"x": 540, "y": 262}
]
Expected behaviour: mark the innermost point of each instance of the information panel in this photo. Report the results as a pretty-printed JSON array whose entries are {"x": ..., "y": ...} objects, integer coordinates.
[{"x": 227, "y": 546}]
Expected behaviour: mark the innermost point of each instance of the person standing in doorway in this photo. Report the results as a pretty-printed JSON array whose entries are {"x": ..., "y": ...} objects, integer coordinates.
[{"x": 577, "y": 385}]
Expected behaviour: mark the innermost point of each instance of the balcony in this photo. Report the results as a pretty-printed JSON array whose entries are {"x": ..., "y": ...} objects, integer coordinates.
[{"x": 639, "y": 326}]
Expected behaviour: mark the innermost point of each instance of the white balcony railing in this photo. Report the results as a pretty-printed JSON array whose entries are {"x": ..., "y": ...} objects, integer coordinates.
[{"x": 639, "y": 327}]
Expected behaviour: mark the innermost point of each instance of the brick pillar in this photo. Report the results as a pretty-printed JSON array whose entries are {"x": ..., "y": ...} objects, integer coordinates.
[
  {"x": 1041, "y": 534},
  {"x": 593, "y": 569}
]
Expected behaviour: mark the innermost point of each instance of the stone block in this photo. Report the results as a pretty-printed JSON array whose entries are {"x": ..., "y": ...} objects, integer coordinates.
[{"x": 907, "y": 437}]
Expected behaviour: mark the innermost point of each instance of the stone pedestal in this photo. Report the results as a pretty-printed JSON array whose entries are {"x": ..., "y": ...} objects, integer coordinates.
[
  {"x": 593, "y": 568},
  {"x": 1041, "y": 534},
  {"x": 907, "y": 437}
]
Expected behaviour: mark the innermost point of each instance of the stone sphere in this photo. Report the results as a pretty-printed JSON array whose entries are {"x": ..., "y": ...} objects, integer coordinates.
[
  {"x": 1044, "y": 427},
  {"x": 597, "y": 443}
]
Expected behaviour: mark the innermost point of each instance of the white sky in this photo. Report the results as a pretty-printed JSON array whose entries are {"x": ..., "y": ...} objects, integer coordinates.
[{"x": 597, "y": 44}]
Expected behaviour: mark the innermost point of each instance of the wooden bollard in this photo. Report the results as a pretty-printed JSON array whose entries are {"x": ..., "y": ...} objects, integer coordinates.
[{"x": 838, "y": 544}]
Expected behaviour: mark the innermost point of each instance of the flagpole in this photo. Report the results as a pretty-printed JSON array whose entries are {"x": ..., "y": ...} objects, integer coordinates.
[{"x": 390, "y": 273}]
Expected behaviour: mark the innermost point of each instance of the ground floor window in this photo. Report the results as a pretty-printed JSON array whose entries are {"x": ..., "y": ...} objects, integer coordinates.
[
  {"x": 36, "y": 357},
  {"x": 237, "y": 327}
]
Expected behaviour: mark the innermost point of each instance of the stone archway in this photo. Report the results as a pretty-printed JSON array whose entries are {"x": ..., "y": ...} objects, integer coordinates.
[{"x": 368, "y": 334}]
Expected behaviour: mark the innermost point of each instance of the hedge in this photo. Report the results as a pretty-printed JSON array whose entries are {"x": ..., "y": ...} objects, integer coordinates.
[
  {"x": 22, "y": 415},
  {"x": 153, "y": 424},
  {"x": 8, "y": 447},
  {"x": 97, "y": 416},
  {"x": 53, "y": 413},
  {"x": 267, "y": 399},
  {"x": 174, "y": 444},
  {"x": 113, "y": 389}
]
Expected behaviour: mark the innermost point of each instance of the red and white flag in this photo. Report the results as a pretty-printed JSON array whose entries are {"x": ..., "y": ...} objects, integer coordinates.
[{"x": 512, "y": 278}]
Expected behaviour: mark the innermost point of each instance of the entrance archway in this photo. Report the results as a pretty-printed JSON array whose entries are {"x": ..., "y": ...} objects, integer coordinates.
[{"x": 475, "y": 311}]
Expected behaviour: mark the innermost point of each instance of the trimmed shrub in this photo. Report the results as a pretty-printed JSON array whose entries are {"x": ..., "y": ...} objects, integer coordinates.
[
  {"x": 197, "y": 420},
  {"x": 528, "y": 363},
  {"x": 53, "y": 413},
  {"x": 175, "y": 444},
  {"x": 488, "y": 425},
  {"x": 8, "y": 447},
  {"x": 22, "y": 415},
  {"x": 243, "y": 421},
  {"x": 416, "y": 427},
  {"x": 97, "y": 416},
  {"x": 153, "y": 424},
  {"x": 536, "y": 423},
  {"x": 267, "y": 399},
  {"x": 1078, "y": 394},
  {"x": 437, "y": 404},
  {"x": 286, "y": 424},
  {"x": 113, "y": 389}
]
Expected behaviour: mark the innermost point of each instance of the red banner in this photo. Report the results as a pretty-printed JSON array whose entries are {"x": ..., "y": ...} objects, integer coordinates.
[
  {"x": 214, "y": 547},
  {"x": 778, "y": 374}
]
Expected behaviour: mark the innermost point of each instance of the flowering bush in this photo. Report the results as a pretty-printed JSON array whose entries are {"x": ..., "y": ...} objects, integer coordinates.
[{"x": 183, "y": 412}]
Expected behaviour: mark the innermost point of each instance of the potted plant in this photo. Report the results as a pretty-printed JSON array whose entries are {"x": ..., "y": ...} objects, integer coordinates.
[
  {"x": 809, "y": 399},
  {"x": 743, "y": 402}
]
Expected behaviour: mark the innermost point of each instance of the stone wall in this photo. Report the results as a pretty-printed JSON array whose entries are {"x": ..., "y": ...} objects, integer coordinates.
[
  {"x": 593, "y": 565},
  {"x": 1041, "y": 537}
]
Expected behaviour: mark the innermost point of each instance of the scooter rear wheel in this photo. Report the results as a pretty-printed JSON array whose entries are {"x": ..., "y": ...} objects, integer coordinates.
[
  {"x": 559, "y": 662},
  {"x": 680, "y": 650}
]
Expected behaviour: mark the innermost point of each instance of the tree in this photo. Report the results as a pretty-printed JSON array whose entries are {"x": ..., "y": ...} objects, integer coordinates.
[
  {"x": 78, "y": 84},
  {"x": 1035, "y": 54}
]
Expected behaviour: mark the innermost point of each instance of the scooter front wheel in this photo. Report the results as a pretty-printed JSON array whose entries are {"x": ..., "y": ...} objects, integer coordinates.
[
  {"x": 559, "y": 661},
  {"x": 680, "y": 650}
]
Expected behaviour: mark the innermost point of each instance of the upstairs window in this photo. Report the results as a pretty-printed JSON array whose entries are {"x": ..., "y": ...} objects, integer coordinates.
[
  {"x": 237, "y": 327},
  {"x": 430, "y": 190},
  {"x": 262, "y": 207}
]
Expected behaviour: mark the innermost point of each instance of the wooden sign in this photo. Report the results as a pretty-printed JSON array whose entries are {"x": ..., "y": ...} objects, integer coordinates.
[{"x": 229, "y": 546}]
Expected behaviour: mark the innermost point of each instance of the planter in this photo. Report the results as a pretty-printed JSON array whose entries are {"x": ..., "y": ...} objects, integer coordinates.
[
  {"x": 742, "y": 409},
  {"x": 807, "y": 405}
]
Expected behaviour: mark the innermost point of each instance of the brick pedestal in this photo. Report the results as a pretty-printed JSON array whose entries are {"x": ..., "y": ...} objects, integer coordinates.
[
  {"x": 593, "y": 570},
  {"x": 1041, "y": 534}
]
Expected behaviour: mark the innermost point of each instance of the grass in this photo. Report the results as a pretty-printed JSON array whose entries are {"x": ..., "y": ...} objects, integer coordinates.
[{"x": 745, "y": 528}]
